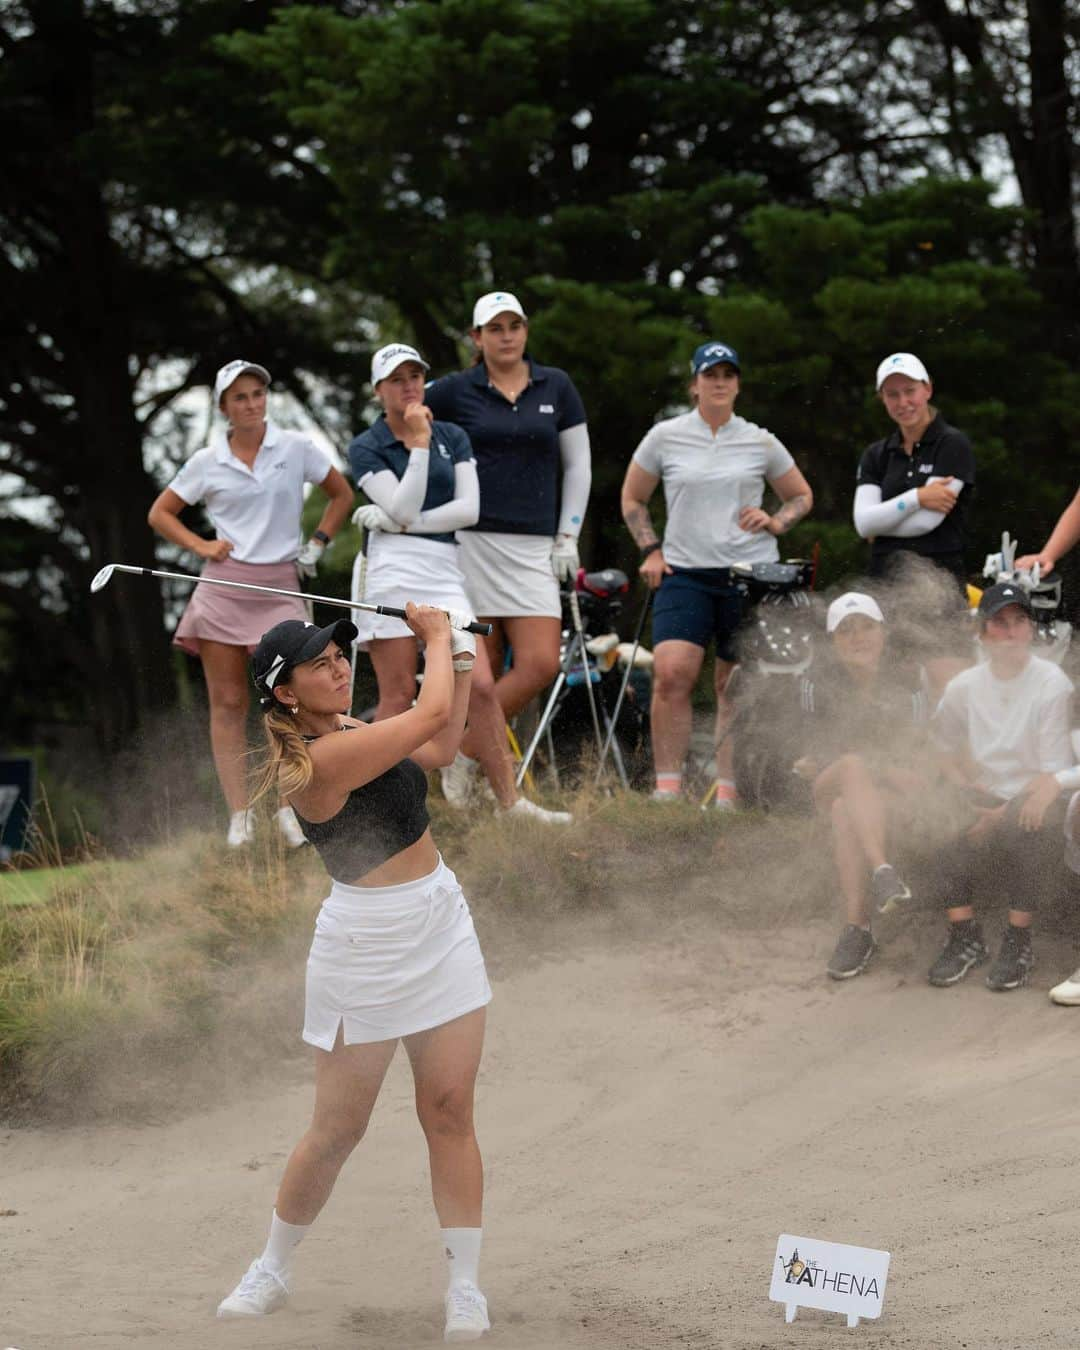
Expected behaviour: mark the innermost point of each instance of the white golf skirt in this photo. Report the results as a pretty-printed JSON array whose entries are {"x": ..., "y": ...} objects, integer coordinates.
[
  {"x": 402, "y": 567},
  {"x": 509, "y": 575},
  {"x": 387, "y": 961}
]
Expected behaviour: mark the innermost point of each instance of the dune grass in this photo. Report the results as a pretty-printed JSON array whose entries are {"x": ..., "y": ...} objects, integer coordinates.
[{"x": 118, "y": 978}]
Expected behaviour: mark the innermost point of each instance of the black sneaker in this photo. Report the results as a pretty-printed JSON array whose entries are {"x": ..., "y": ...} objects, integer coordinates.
[
  {"x": 888, "y": 889},
  {"x": 855, "y": 948},
  {"x": 1014, "y": 961},
  {"x": 963, "y": 949}
]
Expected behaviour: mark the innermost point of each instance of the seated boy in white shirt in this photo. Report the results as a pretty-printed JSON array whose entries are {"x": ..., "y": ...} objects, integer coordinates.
[{"x": 1004, "y": 727}]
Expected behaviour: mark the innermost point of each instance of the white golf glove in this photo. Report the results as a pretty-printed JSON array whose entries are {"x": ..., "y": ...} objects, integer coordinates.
[
  {"x": 307, "y": 560},
  {"x": 462, "y": 643},
  {"x": 564, "y": 557},
  {"x": 372, "y": 517}
]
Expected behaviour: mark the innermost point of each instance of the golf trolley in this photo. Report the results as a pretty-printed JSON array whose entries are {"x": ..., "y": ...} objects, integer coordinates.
[
  {"x": 582, "y": 701},
  {"x": 775, "y": 650},
  {"x": 1053, "y": 635}
]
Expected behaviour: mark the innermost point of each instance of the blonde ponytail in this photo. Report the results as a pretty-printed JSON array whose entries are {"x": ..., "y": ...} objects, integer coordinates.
[{"x": 287, "y": 768}]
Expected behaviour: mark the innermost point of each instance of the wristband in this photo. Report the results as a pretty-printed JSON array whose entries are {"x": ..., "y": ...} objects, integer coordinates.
[
  {"x": 461, "y": 666},
  {"x": 650, "y": 548},
  {"x": 321, "y": 536}
]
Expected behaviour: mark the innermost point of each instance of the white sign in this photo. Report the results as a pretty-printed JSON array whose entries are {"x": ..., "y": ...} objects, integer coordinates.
[{"x": 828, "y": 1275}]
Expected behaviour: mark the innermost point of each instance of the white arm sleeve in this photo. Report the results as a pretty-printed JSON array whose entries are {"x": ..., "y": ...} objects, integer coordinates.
[
  {"x": 900, "y": 517},
  {"x": 577, "y": 478},
  {"x": 400, "y": 498},
  {"x": 458, "y": 514}
]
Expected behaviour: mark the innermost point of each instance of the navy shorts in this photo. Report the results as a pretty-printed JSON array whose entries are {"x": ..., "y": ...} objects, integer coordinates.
[{"x": 699, "y": 605}]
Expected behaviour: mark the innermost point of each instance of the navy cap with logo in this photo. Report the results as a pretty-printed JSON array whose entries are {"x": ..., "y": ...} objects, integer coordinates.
[
  {"x": 291, "y": 643},
  {"x": 713, "y": 354},
  {"x": 998, "y": 597}
]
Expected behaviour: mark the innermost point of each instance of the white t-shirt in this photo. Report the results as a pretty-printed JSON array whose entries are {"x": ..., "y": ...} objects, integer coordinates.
[
  {"x": 708, "y": 479},
  {"x": 1014, "y": 729},
  {"x": 256, "y": 509}
]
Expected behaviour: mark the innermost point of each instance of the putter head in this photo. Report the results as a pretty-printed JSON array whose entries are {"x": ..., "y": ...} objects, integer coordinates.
[{"x": 102, "y": 579}]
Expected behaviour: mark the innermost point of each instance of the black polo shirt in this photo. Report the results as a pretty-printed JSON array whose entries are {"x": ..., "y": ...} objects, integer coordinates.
[
  {"x": 516, "y": 444},
  {"x": 943, "y": 452}
]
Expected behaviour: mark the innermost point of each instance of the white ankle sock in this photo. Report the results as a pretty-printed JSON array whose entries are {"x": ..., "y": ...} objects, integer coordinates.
[
  {"x": 284, "y": 1237},
  {"x": 462, "y": 1247}
]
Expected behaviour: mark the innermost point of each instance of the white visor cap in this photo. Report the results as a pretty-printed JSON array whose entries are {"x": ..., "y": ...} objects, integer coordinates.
[
  {"x": 901, "y": 363},
  {"x": 852, "y": 602},
  {"x": 230, "y": 373},
  {"x": 495, "y": 302},
  {"x": 387, "y": 359}
]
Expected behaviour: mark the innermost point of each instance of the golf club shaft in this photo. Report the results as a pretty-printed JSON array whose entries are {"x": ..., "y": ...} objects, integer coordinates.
[
  {"x": 586, "y": 670},
  {"x": 482, "y": 628},
  {"x": 626, "y": 680}
]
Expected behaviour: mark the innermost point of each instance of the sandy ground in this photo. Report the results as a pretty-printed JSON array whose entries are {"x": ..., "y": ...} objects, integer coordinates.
[{"x": 653, "y": 1114}]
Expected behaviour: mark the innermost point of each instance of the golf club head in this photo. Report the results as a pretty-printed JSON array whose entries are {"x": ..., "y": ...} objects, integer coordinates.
[{"x": 102, "y": 579}]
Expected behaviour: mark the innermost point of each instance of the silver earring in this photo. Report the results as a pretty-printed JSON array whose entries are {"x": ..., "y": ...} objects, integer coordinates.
[{"x": 294, "y": 708}]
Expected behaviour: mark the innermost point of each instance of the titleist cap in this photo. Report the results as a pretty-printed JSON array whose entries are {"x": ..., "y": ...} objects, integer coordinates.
[
  {"x": 231, "y": 372},
  {"x": 387, "y": 359}
]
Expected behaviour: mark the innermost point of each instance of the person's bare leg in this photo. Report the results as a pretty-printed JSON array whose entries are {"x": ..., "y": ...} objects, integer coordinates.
[
  {"x": 485, "y": 733},
  {"x": 394, "y": 663},
  {"x": 228, "y": 689},
  {"x": 445, "y": 1061},
  {"x": 676, "y": 667},
  {"x": 848, "y": 778},
  {"x": 347, "y": 1083},
  {"x": 850, "y": 864},
  {"x": 534, "y": 642}
]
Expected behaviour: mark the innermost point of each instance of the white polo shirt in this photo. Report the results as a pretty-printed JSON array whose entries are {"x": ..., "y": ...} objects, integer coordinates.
[
  {"x": 708, "y": 479},
  {"x": 256, "y": 509}
]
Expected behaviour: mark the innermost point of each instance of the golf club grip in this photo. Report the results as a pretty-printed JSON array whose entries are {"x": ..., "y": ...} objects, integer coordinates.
[{"x": 483, "y": 629}]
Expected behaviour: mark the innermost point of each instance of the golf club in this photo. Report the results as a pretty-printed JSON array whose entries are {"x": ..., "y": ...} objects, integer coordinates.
[
  {"x": 622, "y": 688},
  {"x": 105, "y": 576}
]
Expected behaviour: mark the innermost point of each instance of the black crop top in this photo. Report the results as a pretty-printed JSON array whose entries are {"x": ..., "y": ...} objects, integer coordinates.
[{"x": 378, "y": 820}]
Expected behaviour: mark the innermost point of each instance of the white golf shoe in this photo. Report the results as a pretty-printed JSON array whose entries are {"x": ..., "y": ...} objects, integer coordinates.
[
  {"x": 261, "y": 1291},
  {"x": 457, "y": 780},
  {"x": 289, "y": 828},
  {"x": 524, "y": 807},
  {"x": 241, "y": 828},
  {"x": 466, "y": 1312},
  {"x": 1068, "y": 991}
]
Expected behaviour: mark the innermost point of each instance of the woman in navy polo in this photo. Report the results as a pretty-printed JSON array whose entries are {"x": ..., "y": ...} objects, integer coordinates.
[
  {"x": 527, "y": 427},
  {"x": 420, "y": 477},
  {"x": 914, "y": 486},
  {"x": 714, "y": 466}
]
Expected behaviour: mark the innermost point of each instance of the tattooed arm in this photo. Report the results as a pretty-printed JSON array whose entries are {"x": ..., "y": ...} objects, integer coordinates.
[
  {"x": 638, "y": 486},
  {"x": 796, "y": 502}
]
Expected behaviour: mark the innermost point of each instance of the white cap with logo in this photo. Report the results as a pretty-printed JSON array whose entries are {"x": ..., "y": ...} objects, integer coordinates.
[
  {"x": 231, "y": 372},
  {"x": 387, "y": 359},
  {"x": 852, "y": 602},
  {"x": 901, "y": 363},
  {"x": 495, "y": 302}
]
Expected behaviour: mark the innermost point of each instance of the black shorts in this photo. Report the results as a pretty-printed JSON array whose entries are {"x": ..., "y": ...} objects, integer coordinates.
[{"x": 699, "y": 605}]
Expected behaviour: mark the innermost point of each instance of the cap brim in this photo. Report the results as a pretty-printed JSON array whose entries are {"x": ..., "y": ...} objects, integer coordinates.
[{"x": 343, "y": 632}]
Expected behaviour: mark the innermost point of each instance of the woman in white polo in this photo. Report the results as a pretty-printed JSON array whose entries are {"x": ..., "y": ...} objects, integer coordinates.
[
  {"x": 250, "y": 478},
  {"x": 714, "y": 466}
]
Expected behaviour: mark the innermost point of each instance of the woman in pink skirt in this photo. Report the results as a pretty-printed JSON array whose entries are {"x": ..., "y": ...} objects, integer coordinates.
[{"x": 250, "y": 478}]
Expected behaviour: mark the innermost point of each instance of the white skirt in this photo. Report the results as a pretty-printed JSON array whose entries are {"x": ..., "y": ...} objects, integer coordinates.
[
  {"x": 509, "y": 575},
  {"x": 402, "y": 567},
  {"x": 388, "y": 961}
]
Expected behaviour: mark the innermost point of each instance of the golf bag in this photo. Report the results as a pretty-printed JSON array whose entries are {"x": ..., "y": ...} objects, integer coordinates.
[{"x": 775, "y": 650}]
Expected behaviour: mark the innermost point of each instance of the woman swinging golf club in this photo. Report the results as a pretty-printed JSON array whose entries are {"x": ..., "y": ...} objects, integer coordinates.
[
  {"x": 395, "y": 956},
  {"x": 251, "y": 479}
]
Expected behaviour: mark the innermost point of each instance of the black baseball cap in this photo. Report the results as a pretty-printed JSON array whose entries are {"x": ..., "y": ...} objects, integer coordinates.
[
  {"x": 291, "y": 643},
  {"x": 1001, "y": 595}
]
